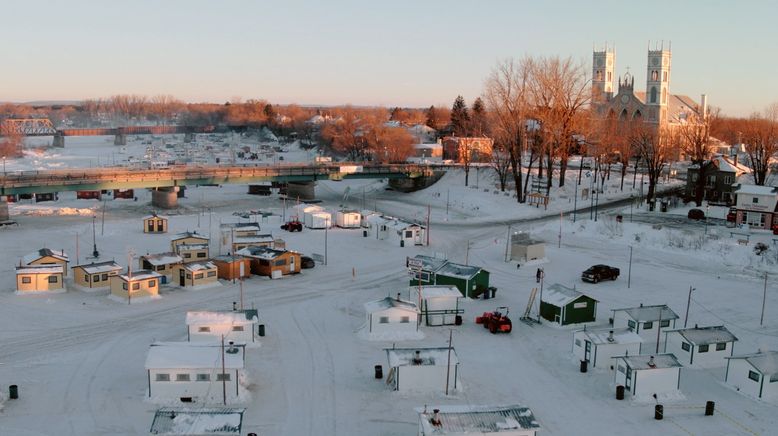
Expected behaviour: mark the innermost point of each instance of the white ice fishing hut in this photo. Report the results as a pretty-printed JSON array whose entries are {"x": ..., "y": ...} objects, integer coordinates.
[
  {"x": 754, "y": 374},
  {"x": 422, "y": 369},
  {"x": 598, "y": 346},
  {"x": 454, "y": 420},
  {"x": 702, "y": 347},
  {"x": 644, "y": 375},
  {"x": 439, "y": 304},
  {"x": 348, "y": 219},
  {"x": 391, "y": 316},
  {"x": 236, "y": 326},
  {"x": 645, "y": 320}
]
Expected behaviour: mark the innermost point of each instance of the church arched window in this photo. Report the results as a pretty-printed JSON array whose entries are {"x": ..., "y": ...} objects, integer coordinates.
[
  {"x": 654, "y": 76},
  {"x": 637, "y": 115},
  {"x": 599, "y": 74},
  {"x": 609, "y": 76},
  {"x": 623, "y": 115},
  {"x": 653, "y": 94}
]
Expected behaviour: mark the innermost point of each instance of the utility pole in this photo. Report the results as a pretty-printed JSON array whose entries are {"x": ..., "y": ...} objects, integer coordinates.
[
  {"x": 764, "y": 299},
  {"x": 467, "y": 252},
  {"x": 560, "y": 230},
  {"x": 507, "y": 243},
  {"x": 688, "y": 303},
  {"x": 102, "y": 226},
  {"x": 540, "y": 301},
  {"x": 448, "y": 364},
  {"x": 326, "y": 227},
  {"x": 428, "y": 225},
  {"x": 629, "y": 273},
  {"x": 95, "y": 253},
  {"x": 224, "y": 376},
  {"x": 658, "y": 329},
  {"x": 575, "y": 202},
  {"x": 448, "y": 191}
]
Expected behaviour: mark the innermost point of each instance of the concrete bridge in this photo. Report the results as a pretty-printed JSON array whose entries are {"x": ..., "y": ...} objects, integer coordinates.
[{"x": 166, "y": 182}]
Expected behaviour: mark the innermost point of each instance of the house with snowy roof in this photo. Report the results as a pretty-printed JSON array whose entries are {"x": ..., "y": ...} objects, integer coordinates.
[
  {"x": 525, "y": 249},
  {"x": 701, "y": 347},
  {"x": 428, "y": 370},
  {"x": 647, "y": 321},
  {"x": 211, "y": 326},
  {"x": 40, "y": 278},
  {"x": 563, "y": 305},
  {"x": 258, "y": 240},
  {"x": 142, "y": 285},
  {"x": 232, "y": 267},
  {"x": 155, "y": 224},
  {"x": 47, "y": 256},
  {"x": 198, "y": 373},
  {"x": 471, "y": 280},
  {"x": 439, "y": 304},
  {"x": 720, "y": 173},
  {"x": 162, "y": 263},
  {"x": 756, "y": 206},
  {"x": 468, "y": 420},
  {"x": 645, "y": 375},
  {"x": 240, "y": 229},
  {"x": 203, "y": 421},
  {"x": 348, "y": 219},
  {"x": 95, "y": 275},
  {"x": 754, "y": 374},
  {"x": 195, "y": 274},
  {"x": 193, "y": 252},
  {"x": 391, "y": 317},
  {"x": 270, "y": 262},
  {"x": 423, "y": 268},
  {"x": 598, "y": 346},
  {"x": 188, "y": 238}
]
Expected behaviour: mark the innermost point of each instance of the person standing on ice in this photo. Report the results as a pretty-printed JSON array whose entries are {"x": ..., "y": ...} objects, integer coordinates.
[{"x": 538, "y": 275}]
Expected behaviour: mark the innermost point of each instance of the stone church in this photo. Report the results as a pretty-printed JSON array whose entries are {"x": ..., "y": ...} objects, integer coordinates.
[{"x": 655, "y": 106}]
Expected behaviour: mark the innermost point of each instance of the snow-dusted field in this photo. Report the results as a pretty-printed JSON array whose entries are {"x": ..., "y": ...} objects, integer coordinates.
[{"x": 78, "y": 357}]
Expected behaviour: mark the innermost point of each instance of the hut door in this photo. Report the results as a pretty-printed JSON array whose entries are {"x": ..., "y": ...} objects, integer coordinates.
[
  {"x": 181, "y": 277},
  {"x": 151, "y": 226},
  {"x": 587, "y": 350},
  {"x": 291, "y": 264},
  {"x": 628, "y": 380}
]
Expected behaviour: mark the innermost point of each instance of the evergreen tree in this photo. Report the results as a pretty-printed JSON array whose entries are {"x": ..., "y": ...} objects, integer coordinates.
[
  {"x": 478, "y": 119},
  {"x": 270, "y": 113},
  {"x": 460, "y": 118},
  {"x": 431, "y": 117}
]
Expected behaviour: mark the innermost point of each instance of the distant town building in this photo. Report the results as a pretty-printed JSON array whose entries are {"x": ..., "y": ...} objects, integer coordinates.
[{"x": 467, "y": 149}]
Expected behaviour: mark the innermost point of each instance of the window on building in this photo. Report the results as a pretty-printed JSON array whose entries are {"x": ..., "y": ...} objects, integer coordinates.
[
  {"x": 105, "y": 277},
  {"x": 26, "y": 279},
  {"x": 124, "y": 286},
  {"x": 704, "y": 348},
  {"x": 198, "y": 276},
  {"x": 609, "y": 76},
  {"x": 187, "y": 255},
  {"x": 203, "y": 377},
  {"x": 753, "y": 375},
  {"x": 222, "y": 377},
  {"x": 774, "y": 378},
  {"x": 631, "y": 325},
  {"x": 755, "y": 219},
  {"x": 653, "y": 95},
  {"x": 280, "y": 262},
  {"x": 622, "y": 369},
  {"x": 182, "y": 377},
  {"x": 201, "y": 254},
  {"x": 211, "y": 273},
  {"x": 203, "y": 329},
  {"x": 152, "y": 283},
  {"x": 685, "y": 346},
  {"x": 580, "y": 305},
  {"x": 655, "y": 75},
  {"x": 648, "y": 325},
  {"x": 755, "y": 200},
  {"x": 409, "y": 233},
  {"x": 135, "y": 286},
  {"x": 577, "y": 342},
  {"x": 161, "y": 268},
  {"x": 86, "y": 278},
  {"x": 188, "y": 276},
  {"x": 720, "y": 346},
  {"x": 383, "y": 320},
  {"x": 664, "y": 323},
  {"x": 53, "y": 279},
  {"x": 237, "y": 328},
  {"x": 405, "y": 319},
  {"x": 162, "y": 377}
]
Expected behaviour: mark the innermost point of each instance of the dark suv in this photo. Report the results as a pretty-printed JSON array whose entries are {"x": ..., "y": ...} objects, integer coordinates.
[{"x": 600, "y": 272}]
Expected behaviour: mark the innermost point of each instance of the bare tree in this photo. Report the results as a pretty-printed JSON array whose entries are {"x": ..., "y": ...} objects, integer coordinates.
[
  {"x": 506, "y": 93},
  {"x": 760, "y": 137},
  {"x": 695, "y": 142},
  {"x": 654, "y": 146}
]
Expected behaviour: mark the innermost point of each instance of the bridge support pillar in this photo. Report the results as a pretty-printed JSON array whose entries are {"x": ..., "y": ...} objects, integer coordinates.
[
  {"x": 301, "y": 190},
  {"x": 165, "y": 198},
  {"x": 120, "y": 139},
  {"x": 189, "y": 137},
  {"x": 59, "y": 141},
  {"x": 4, "y": 216}
]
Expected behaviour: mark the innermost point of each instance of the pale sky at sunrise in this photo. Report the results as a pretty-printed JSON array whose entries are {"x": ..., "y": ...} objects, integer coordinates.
[{"x": 399, "y": 53}]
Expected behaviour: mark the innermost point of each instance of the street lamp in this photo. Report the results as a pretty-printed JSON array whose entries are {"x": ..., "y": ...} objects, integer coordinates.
[
  {"x": 707, "y": 212},
  {"x": 688, "y": 302},
  {"x": 3, "y": 166},
  {"x": 95, "y": 253},
  {"x": 631, "y": 203}
]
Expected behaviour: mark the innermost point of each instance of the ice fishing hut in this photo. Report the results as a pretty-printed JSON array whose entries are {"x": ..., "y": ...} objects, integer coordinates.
[
  {"x": 391, "y": 317},
  {"x": 195, "y": 372},
  {"x": 46, "y": 256},
  {"x": 525, "y": 249},
  {"x": 141, "y": 284},
  {"x": 95, "y": 275},
  {"x": 161, "y": 263},
  {"x": 195, "y": 274},
  {"x": 232, "y": 267},
  {"x": 421, "y": 267},
  {"x": 469, "y": 420},
  {"x": 429, "y": 370},
  {"x": 439, "y": 304},
  {"x": 472, "y": 281},
  {"x": 702, "y": 347},
  {"x": 39, "y": 278},
  {"x": 155, "y": 224},
  {"x": 645, "y": 320},
  {"x": 272, "y": 263},
  {"x": 188, "y": 238},
  {"x": 564, "y": 306},
  {"x": 644, "y": 375},
  {"x": 210, "y": 326},
  {"x": 754, "y": 374},
  {"x": 348, "y": 219},
  {"x": 598, "y": 346}
]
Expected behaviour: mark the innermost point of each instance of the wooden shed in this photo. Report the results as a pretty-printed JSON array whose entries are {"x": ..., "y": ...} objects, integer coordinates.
[
  {"x": 95, "y": 275},
  {"x": 187, "y": 238},
  {"x": 564, "y": 306},
  {"x": 46, "y": 256},
  {"x": 162, "y": 263},
  {"x": 140, "y": 285},
  {"x": 39, "y": 278},
  {"x": 155, "y": 224},
  {"x": 525, "y": 249},
  {"x": 271, "y": 262},
  {"x": 195, "y": 274},
  {"x": 232, "y": 267}
]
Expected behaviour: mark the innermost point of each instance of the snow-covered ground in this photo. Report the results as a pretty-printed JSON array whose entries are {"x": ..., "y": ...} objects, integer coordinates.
[{"x": 78, "y": 357}]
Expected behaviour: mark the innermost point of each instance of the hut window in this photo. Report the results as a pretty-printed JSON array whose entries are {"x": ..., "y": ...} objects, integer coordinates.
[
  {"x": 86, "y": 278},
  {"x": 577, "y": 342},
  {"x": 237, "y": 328},
  {"x": 105, "y": 277},
  {"x": 198, "y": 276},
  {"x": 187, "y": 255},
  {"x": 124, "y": 286},
  {"x": 622, "y": 369},
  {"x": 384, "y": 320},
  {"x": 280, "y": 262},
  {"x": 721, "y": 346},
  {"x": 223, "y": 377},
  {"x": 580, "y": 305},
  {"x": 664, "y": 323},
  {"x": 152, "y": 283},
  {"x": 26, "y": 279},
  {"x": 685, "y": 346},
  {"x": 202, "y": 254},
  {"x": 631, "y": 325},
  {"x": 204, "y": 329},
  {"x": 409, "y": 233},
  {"x": 162, "y": 377},
  {"x": 211, "y": 273},
  {"x": 182, "y": 377},
  {"x": 161, "y": 268},
  {"x": 203, "y": 377},
  {"x": 704, "y": 348},
  {"x": 135, "y": 286},
  {"x": 648, "y": 325},
  {"x": 774, "y": 378},
  {"x": 753, "y": 375},
  {"x": 188, "y": 276},
  {"x": 405, "y": 319},
  {"x": 53, "y": 279}
]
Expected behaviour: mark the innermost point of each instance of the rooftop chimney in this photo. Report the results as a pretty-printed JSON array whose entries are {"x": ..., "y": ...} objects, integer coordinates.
[
  {"x": 610, "y": 336},
  {"x": 417, "y": 358},
  {"x": 704, "y": 105},
  {"x": 651, "y": 362},
  {"x": 398, "y": 296},
  {"x": 234, "y": 306},
  {"x": 435, "y": 420}
]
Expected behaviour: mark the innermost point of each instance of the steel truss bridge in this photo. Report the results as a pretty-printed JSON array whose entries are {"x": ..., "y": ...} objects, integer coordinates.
[{"x": 94, "y": 179}]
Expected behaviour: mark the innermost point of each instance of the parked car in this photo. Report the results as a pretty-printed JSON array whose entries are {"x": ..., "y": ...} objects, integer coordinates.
[
  {"x": 292, "y": 226},
  {"x": 696, "y": 214},
  {"x": 732, "y": 215},
  {"x": 306, "y": 262},
  {"x": 600, "y": 272}
]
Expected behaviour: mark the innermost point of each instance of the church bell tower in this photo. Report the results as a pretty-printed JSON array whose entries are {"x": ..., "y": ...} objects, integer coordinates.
[
  {"x": 658, "y": 83},
  {"x": 603, "y": 63}
]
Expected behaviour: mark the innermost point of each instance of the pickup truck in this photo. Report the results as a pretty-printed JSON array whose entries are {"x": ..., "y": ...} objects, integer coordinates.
[{"x": 600, "y": 272}]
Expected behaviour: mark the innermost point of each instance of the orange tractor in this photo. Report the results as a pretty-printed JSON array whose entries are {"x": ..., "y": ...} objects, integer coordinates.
[{"x": 496, "y": 321}]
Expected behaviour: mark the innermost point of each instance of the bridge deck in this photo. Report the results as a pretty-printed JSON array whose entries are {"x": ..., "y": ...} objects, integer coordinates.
[{"x": 92, "y": 179}]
